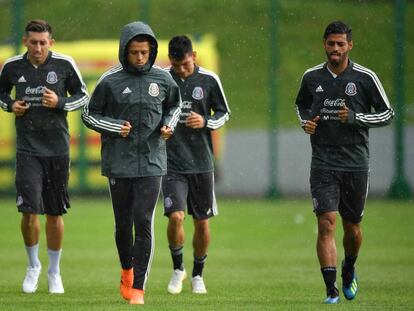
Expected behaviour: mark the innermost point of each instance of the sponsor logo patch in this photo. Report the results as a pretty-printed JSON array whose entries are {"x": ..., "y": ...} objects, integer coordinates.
[
  {"x": 21, "y": 79},
  {"x": 319, "y": 89},
  {"x": 126, "y": 91},
  {"x": 198, "y": 93},
  {"x": 154, "y": 90},
  {"x": 51, "y": 77},
  {"x": 315, "y": 204},
  {"x": 19, "y": 200},
  {"x": 351, "y": 89},
  {"x": 168, "y": 203}
]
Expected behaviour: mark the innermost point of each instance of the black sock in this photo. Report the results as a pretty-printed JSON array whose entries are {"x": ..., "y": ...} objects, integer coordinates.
[
  {"x": 177, "y": 257},
  {"x": 198, "y": 265},
  {"x": 348, "y": 270},
  {"x": 349, "y": 262},
  {"x": 329, "y": 276}
]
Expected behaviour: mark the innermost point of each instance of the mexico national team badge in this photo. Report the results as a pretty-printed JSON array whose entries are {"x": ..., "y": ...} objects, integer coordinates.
[
  {"x": 51, "y": 77},
  {"x": 351, "y": 89},
  {"x": 153, "y": 90},
  {"x": 198, "y": 93}
]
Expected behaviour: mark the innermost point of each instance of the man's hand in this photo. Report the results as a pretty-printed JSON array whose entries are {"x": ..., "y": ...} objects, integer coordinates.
[
  {"x": 194, "y": 121},
  {"x": 310, "y": 126},
  {"x": 125, "y": 129},
  {"x": 49, "y": 99},
  {"x": 343, "y": 113},
  {"x": 19, "y": 107},
  {"x": 166, "y": 132}
]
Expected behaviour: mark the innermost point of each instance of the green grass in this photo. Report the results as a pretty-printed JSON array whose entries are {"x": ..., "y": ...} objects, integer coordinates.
[{"x": 262, "y": 257}]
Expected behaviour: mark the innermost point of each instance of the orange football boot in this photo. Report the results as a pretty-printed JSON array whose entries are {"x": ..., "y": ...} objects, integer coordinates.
[
  {"x": 137, "y": 297},
  {"x": 127, "y": 279}
]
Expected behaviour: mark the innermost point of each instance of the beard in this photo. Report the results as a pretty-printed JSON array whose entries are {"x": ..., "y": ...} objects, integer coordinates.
[{"x": 339, "y": 61}]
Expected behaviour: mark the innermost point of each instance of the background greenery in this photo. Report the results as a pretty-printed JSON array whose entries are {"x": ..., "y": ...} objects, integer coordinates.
[
  {"x": 242, "y": 30},
  {"x": 262, "y": 257}
]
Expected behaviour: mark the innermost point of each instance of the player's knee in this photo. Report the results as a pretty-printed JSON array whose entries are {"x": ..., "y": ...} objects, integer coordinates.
[
  {"x": 30, "y": 220},
  {"x": 201, "y": 225},
  {"x": 353, "y": 231},
  {"x": 326, "y": 226},
  {"x": 176, "y": 218}
]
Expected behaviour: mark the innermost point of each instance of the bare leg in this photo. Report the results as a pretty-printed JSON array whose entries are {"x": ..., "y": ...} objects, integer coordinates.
[
  {"x": 352, "y": 238},
  {"x": 175, "y": 230},
  {"x": 54, "y": 232},
  {"x": 30, "y": 227},
  {"x": 201, "y": 238},
  {"x": 325, "y": 246},
  {"x": 201, "y": 241}
]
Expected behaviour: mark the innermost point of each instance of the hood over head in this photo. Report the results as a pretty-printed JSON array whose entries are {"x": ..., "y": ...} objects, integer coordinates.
[{"x": 130, "y": 31}]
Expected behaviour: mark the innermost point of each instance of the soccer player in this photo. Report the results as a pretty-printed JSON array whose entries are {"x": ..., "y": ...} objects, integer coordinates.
[
  {"x": 337, "y": 103},
  {"x": 42, "y": 80},
  {"x": 190, "y": 179},
  {"x": 135, "y": 106}
]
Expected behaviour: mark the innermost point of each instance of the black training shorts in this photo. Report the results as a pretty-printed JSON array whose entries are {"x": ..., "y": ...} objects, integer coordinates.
[
  {"x": 196, "y": 191},
  {"x": 42, "y": 184},
  {"x": 341, "y": 191}
]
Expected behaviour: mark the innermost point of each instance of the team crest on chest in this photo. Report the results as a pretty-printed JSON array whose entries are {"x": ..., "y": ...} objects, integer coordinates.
[
  {"x": 154, "y": 90},
  {"x": 350, "y": 89},
  {"x": 198, "y": 93},
  {"x": 51, "y": 77}
]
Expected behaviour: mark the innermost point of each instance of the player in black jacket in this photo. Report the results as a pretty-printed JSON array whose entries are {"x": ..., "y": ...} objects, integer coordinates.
[
  {"x": 337, "y": 103},
  {"x": 190, "y": 181},
  {"x": 43, "y": 80}
]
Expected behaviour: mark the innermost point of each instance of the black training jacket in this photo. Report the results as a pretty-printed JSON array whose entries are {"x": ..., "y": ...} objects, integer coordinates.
[
  {"x": 336, "y": 145},
  {"x": 42, "y": 131},
  {"x": 190, "y": 150}
]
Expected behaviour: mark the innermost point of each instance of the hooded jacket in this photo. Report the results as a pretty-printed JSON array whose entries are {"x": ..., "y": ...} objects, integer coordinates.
[{"x": 146, "y": 97}]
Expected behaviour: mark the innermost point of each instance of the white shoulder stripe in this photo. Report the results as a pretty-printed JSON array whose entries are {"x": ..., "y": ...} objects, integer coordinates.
[
  {"x": 317, "y": 67},
  {"x": 377, "y": 82},
  {"x": 110, "y": 72},
  {"x": 75, "y": 67},
  {"x": 216, "y": 77},
  {"x": 10, "y": 60}
]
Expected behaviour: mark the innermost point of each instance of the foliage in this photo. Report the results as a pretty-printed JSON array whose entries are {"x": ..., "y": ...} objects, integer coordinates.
[{"x": 242, "y": 30}]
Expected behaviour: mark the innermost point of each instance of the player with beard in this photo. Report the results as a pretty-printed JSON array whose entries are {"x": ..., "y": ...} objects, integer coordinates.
[{"x": 337, "y": 103}]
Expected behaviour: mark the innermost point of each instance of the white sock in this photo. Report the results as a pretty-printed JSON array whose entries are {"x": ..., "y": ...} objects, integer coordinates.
[
  {"x": 54, "y": 261},
  {"x": 33, "y": 256}
]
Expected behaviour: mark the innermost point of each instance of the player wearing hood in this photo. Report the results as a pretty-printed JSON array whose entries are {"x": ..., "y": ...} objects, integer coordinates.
[{"x": 135, "y": 106}]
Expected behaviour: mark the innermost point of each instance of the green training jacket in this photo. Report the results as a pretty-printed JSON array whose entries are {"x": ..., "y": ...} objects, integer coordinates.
[{"x": 148, "y": 98}]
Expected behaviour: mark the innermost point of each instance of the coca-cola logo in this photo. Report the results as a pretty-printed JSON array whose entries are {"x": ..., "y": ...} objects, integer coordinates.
[
  {"x": 334, "y": 102},
  {"x": 35, "y": 90}
]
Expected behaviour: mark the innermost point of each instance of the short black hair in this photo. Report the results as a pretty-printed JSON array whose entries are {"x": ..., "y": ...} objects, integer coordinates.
[
  {"x": 143, "y": 38},
  {"x": 179, "y": 47},
  {"x": 38, "y": 25},
  {"x": 338, "y": 27}
]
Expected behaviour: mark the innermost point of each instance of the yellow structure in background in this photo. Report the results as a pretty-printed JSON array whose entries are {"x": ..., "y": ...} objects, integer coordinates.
[{"x": 93, "y": 58}]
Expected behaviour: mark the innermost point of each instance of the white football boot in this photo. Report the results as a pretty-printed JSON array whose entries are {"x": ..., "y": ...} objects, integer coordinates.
[
  {"x": 197, "y": 283},
  {"x": 31, "y": 280},
  {"x": 176, "y": 282},
  {"x": 55, "y": 284}
]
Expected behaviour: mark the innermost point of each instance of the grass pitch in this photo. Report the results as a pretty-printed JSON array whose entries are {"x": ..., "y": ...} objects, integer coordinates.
[{"x": 262, "y": 257}]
